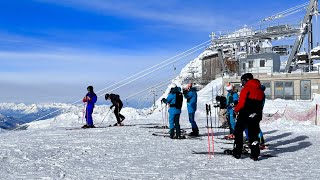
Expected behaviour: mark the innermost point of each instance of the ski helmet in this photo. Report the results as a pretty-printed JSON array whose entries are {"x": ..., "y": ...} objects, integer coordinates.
[
  {"x": 218, "y": 98},
  {"x": 229, "y": 87},
  {"x": 107, "y": 96},
  {"x": 90, "y": 88}
]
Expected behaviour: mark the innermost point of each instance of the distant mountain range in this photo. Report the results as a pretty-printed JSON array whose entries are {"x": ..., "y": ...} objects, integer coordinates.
[{"x": 7, "y": 122}]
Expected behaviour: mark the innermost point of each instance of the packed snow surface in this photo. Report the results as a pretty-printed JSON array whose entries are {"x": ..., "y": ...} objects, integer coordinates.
[{"x": 57, "y": 148}]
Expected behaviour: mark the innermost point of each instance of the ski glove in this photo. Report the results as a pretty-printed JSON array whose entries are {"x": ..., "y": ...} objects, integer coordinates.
[
  {"x": 111, "y": 106},
  {"x": 185, "y": 91},
  {"x": 164, "y": 100}
]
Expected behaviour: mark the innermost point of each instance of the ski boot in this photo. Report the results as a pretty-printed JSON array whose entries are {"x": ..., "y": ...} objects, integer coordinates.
[
  {"x": 195, "y": 132},
  {"x": 255, "y": 150},
  {"x": 171, "y": 132},
  {"x": 229, "y": 137},
  {"x": 85, "y": 126}
]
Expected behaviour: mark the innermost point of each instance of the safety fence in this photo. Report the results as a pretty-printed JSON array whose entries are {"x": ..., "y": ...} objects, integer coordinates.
[{"x": 291, "y": 114}]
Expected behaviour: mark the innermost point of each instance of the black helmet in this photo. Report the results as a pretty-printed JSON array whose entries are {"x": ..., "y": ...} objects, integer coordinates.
[
  {"x": 245, "y": 78},
  {"x": 218, "y": 98},
  {"x": 107, "y": 96},
  {"x": 90, "y": 88}
]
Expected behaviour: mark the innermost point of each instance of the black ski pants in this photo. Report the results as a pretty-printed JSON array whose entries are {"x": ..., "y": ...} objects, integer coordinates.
[
  {"x": 252, "y": 123},
  {"x": 117, "y": 110}
]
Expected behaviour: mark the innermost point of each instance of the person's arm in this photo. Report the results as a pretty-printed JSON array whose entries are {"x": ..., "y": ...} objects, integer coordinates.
[
  {"x": 86, "y": 98},
  {"x": 235, "y": 98},
  {"x": 113, "y": 102},
  {"x": 168, "y": 99},
  {"x": 242, "y": 100}
]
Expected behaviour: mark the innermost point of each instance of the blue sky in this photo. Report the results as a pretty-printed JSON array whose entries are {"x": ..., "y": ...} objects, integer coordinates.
[{"x": 55, "y": 49}]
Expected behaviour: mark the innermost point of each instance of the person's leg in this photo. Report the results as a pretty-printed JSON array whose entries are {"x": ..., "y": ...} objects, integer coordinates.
[
  {"x": 116, "y": 113},
  {"x": 238, "y": 140},
  {"x": 261, "y": 138},
  {"x": 171, "y": 124},
  {"x": 222, "y": 117},
  {"x": 192, "y": 121},
  {"x": 228, "y": 121},
  {"x": 253, "y": 130},
  {"x": 89, "y": 114},
  {"x": 120, "y": 115},
  {"x": 177, "y": 125},
  {"x": 232, "y": 121},
  {"x": 195, "y": 129},
  {"x": 247, "y": 134}
]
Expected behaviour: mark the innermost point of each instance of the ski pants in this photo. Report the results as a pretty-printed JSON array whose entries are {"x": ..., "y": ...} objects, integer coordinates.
[
  {"x": 192, "y": 121},
  {"x": 252, "y": 124},
  {"x": 89, "y": 111},
  {"x": 231, "y": 120},
  {"x": 117, "y": 109},
  {"x": 174, "y": 123}
]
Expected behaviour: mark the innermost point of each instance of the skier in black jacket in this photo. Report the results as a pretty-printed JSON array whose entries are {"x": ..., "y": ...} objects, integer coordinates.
[{"x": 117, "y": 103}]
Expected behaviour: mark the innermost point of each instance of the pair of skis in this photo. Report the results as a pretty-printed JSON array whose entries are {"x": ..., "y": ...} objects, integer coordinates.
[{"x": 210, "y": 131}]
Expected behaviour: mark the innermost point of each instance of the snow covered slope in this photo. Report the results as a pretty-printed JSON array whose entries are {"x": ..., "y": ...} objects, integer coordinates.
[
  {"x": 57, "y": 148},
  {"x": 48, "y": 149}
]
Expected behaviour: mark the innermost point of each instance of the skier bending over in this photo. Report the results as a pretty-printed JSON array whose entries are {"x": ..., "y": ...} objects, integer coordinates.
[
  {"x": 90, "y": 99},
  {"x": 222, "y": 105},
  {"x": 117, "y": 103},
  {"x": 249, "y": 107}
]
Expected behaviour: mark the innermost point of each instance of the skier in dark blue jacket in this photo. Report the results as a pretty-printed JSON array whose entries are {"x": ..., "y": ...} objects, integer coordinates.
[
  {"x": 174, "y": 99},
  {"x": 90, "y": 99},
  {"x": 190, "y": 93}
]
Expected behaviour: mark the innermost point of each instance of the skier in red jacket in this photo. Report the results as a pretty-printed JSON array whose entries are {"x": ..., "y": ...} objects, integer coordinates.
[{"x": 249, "y": 110}]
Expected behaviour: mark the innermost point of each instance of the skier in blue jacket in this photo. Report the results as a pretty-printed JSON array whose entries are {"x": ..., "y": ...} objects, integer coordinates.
[
  {"x": 190, "y": 93},
  {"x": 232, "y": 100},
  {"x": 90, "y": 99},
  {"x": 174, "y": 99}
]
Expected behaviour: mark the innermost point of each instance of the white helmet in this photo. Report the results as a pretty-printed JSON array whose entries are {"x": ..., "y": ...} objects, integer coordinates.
[{"x": 229, "y": 87}]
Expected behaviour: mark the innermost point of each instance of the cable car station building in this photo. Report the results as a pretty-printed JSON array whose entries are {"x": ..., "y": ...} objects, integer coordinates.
[{"x": 250, "y": 50}]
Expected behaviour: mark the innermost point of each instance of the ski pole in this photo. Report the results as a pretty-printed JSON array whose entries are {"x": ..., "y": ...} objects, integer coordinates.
[
  {"x": 211, "y": 130},
  {"x": 167, "y": 118},
  {"x": 105, "y": 117},
  {"x": 163, "y": 118},
  {"x": 215, "y": 117},
  {"x": 207, "y": 114},
  {"x": 218, "y": 112}
]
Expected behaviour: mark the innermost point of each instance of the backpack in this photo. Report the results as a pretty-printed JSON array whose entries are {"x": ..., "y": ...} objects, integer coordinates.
[
  {"x": 114, "y": 96},
  {"x": 179, "y": 100},
  {"x": 223, "y": 102}
]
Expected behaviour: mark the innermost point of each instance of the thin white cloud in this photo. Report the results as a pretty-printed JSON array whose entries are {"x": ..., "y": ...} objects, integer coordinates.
[{"x": 174, "y": 12}]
